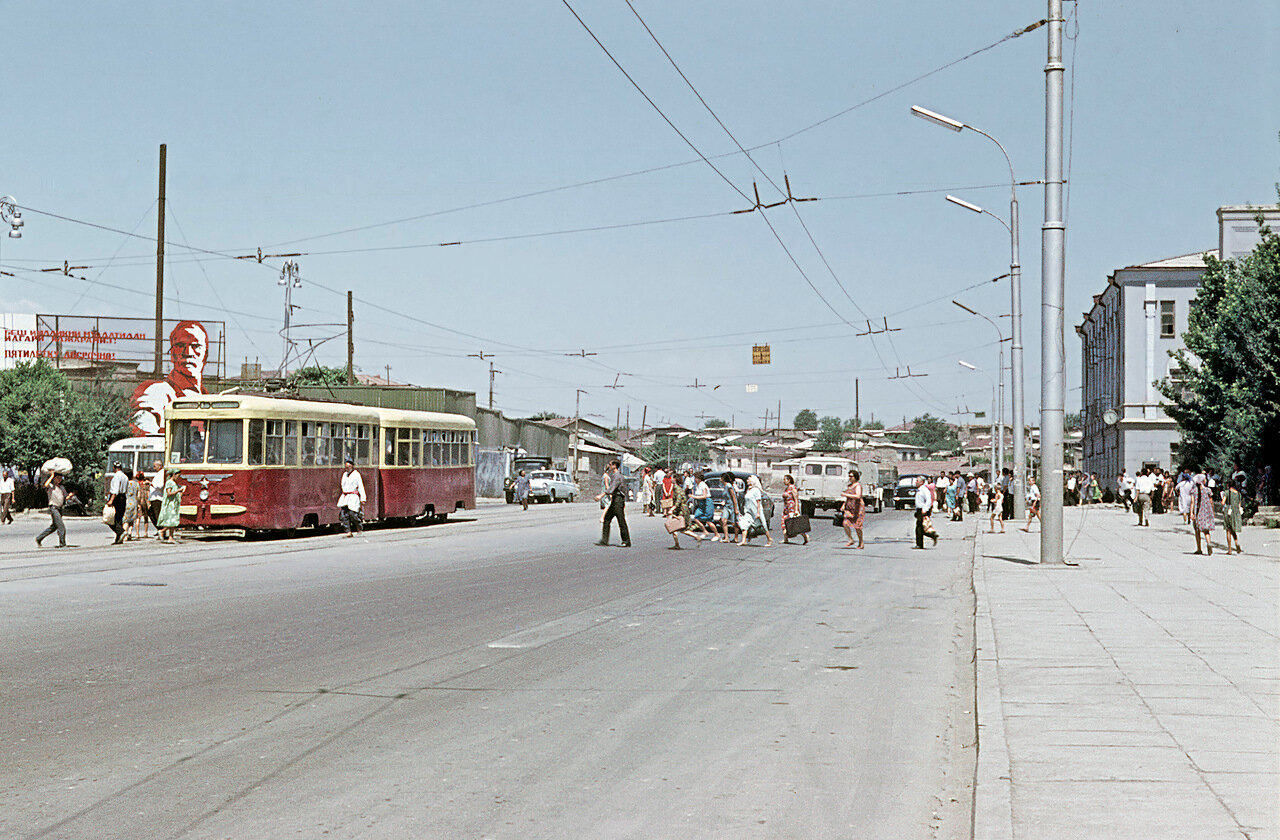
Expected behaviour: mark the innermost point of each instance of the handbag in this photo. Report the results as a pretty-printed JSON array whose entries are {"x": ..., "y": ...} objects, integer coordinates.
[
  {"x": 797, "y": 525},
  {"x": 109, "y": 515},
  {"x": 673, "y": 524}
]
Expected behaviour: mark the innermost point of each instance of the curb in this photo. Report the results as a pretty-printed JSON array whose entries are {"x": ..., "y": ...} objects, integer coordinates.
[{"x": 993, "y": 785}]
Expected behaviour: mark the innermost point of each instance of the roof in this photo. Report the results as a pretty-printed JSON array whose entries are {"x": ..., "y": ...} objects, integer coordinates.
[{"x": 1193, "y": 260}]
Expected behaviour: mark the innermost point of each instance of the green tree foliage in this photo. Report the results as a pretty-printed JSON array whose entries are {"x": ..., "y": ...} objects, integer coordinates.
[
  {"x": 830, "y": 435},
  {"x": 853, "y": 424},
  {"x": 1227, "y": 400},
  {"x": 873, "y": 424},
  {"x": 547, "y": 415},
  {"x": 42, "y": 417},
  {"x": 716, "y": 423},
  {"x": 669, "y": 451},
  {"x": 932, "y": 434},
  {"x": 318, "y": 375},
  {"x": 1071, "y": 421},
  {"x": 806, "y": 420}
]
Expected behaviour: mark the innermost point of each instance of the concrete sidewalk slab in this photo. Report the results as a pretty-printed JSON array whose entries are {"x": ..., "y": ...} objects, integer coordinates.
[{"x": 1136, "y": 695}]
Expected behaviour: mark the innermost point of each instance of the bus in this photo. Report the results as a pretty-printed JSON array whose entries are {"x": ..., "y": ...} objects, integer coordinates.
[
  {"x": 253, "y": 463},
  {"x": 133, "y": 453}
]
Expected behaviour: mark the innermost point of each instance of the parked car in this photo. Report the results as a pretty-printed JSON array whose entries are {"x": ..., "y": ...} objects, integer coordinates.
[
  {"x": 552, "y": 486},
  {"x": 904, "y": 495},
  {"x": 719, "y": 495}
]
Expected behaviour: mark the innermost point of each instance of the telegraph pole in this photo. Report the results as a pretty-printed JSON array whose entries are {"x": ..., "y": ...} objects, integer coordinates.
[
  {"x": 1052, "y": 282},
  {"x": 160, "y": 267},
  {"x": 351, "y": 342}
]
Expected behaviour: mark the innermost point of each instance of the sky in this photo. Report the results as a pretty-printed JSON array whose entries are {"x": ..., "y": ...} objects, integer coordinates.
[{"x": 587, "y": 158}]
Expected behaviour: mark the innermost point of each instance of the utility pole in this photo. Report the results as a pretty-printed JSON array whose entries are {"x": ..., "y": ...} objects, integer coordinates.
[
  {"x": 160, "y": 267},
  {"x": 388, "y": 374},
  {"x": 351, "y": 341},
  {"x": 1052, "y": 282},
  {"x": 577, "y": 412},
  {"x": 491, "y": 375},
  {"x": 643, "y": 416},
  {"x": 857, "y": 407}
]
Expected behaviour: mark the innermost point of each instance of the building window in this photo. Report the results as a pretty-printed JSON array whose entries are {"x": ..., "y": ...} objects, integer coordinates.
[{"x": 1166, "y": 319}]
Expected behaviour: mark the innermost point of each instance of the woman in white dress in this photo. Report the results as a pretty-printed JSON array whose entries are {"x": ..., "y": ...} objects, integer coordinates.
[{"x": 753, "y": 511}]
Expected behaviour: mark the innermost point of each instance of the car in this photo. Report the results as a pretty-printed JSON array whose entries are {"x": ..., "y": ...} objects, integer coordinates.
[
  {"x": 528, "y": 463},
  {"x": 904, "y": 495},
  {"x": 551, "y": 486},
  {"x": 719, "y": 495}
]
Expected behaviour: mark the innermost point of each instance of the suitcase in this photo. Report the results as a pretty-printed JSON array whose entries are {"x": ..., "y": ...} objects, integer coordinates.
[{"x": 797, "y": 525}]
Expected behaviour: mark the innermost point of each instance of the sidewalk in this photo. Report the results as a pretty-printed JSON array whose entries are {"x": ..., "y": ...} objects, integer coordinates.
[{"x": 1134, "y": 696}]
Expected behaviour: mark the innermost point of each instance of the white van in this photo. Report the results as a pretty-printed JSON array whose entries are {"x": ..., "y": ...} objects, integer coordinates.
[{"x": 820, "y": 479}]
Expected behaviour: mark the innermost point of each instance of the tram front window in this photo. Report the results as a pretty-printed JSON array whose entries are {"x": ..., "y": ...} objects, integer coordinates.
[
  {"x": 226, "y": 442},
  {"x": 186, "y": 442}
]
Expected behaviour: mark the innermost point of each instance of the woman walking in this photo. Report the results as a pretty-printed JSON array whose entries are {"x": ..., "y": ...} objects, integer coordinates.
[
  {"x": 997, "y": 508},
  {"x": 753, "y": 512},
  {"x": 1232, "y": 516},
  {"x": 854, "y": 509},
  {"x": 703, "y": 510},
  {"x": 678, "y": 513},
  {"x": 790, "y": 507},
  {"x": 168, "y": 518},
  {"x": 1202, "y": 513},
  {"x": 1186, "y": 497}
]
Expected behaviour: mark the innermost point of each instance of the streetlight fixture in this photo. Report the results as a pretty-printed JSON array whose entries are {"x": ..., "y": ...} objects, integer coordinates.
[
  {"x": 11, "y": 216},
  {"x": 1015, "y": 301},
  {"x": 998, "y": 439},
  {"x": 290, "y": 278}
]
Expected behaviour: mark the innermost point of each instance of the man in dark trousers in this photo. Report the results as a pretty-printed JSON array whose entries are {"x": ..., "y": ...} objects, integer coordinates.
[{"x": 616, "y": 491}]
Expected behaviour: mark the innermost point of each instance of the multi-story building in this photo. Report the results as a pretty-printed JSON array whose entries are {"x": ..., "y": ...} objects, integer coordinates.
[{"x": 1127, "y": 337}]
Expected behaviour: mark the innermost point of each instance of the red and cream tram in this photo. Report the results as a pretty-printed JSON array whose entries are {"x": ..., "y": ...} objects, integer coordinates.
[{"x": 257, "y": 463}]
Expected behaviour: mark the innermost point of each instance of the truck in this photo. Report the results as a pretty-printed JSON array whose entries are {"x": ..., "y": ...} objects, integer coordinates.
[
  {"x": 820, "y": 480},
  {"x": 528, "y": 463}
]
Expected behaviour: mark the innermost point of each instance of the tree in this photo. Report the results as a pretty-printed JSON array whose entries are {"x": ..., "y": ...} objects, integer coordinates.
[
  {"x": 853, "y": 424},
  {"x": 318, "y": 375},
  {"x": 1072, "y": 421},
  {"x": 715, "y": 423},
  {"x": 1225, "y": 396},
  {"x": 670, "y": 451},
  {"x": 932, "y": 435},
  {"x": 873, "y": 424},
  {"x": 547, "y": 415},
  {"x": 830, "y": 435},
  {"x": 42, "y": 416},
  {"x": 806, "y": 420}
]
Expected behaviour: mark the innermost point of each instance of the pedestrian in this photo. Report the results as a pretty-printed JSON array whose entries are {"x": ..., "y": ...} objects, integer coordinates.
[
  {"x": 6, "y": 495},
  {"x": 997, "y": 508},
  {"x": 753, "y": 512},
  {"x": 615, "y": 493},
  {"x": 946, "y": 494},
  {"x": 522, "y": 490},
  {"x": 1157, "y": 491},
  {"x": 604, "y": 498},
  {"x": 962, "y": 492},
  {"x": 923, "y": 505},
  {"x": 142, "y": 521},
  {"x": 971, "y": 492},
  {"x": 791, "y": 509},
  {"x": 351, "y": 498},
  {"x": 1186, "y": 493},
  {"x": 854, "y": 509},
  {"x": 169, "y": 508},
  {"x": 1033, "y": 503},
  {"x": 676, "y": 516},
  {"x": 646, "y": 492},
  {"x": 703, "y": 509},
  {"x": 1202, "y": 512},
  {"x": 1124, "y": 486},
  {"x": 130, "y": 521},
  {"x": 1169, "y": 495},
  {"x": 1095, "y": 489},
  {"x": 1143, "y": 485},
  {"x": 117, "y": 497},
  {"x": 1006, "y": 486},
  {"x": 732, "y": 509},
  {"x": 155, "y": 495},
  {"x": 667, "y": 488},
  {"x": 1232, "y": 516},
  {"x": 57, "y": 498}
]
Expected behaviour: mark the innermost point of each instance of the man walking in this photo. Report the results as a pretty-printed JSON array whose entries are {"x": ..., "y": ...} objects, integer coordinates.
[
  {"x": 924, "y": 503},
  {"x": 615, "y": 491},
  {"x": 962, "y": 497},
  {"x": 352, "y": 498},
  {"x": 57, "y": 498},
  {"x": 1144, "y": 485},
  {"x": 6, "y": 495},
  {"x": 155, "y": 494},
  {"x": 119, "y": 491}
]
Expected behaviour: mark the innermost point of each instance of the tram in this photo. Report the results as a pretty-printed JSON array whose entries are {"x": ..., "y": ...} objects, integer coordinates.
[{"x": 256, "y": 463}]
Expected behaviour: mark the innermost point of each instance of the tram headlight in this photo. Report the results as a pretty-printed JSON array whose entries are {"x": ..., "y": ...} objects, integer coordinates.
[{"x": 204, "y": 495}]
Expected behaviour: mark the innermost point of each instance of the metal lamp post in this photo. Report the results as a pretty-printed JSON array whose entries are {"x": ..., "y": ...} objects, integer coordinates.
[
  {"x": 977, "y": 369},
  {"x": 11, "y": 216},
  {"x": 1015, "y": 302},
  {"x": 290, "y": 278},
  {"x": 998, "y": 439}
]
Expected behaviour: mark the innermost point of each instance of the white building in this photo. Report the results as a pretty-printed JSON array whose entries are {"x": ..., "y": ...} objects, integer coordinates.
[{"x": 1127, "y": 338}]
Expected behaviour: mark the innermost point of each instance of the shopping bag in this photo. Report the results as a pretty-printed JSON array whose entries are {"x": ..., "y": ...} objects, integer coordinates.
[
  {"x": 797, "y": 525},
  {"x": 109, "y": 515}
]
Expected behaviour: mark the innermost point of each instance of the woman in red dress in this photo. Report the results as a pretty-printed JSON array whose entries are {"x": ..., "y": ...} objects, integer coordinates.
[
  {"x": 854, "y": 509},
  {"x": 790, "y": 506}
]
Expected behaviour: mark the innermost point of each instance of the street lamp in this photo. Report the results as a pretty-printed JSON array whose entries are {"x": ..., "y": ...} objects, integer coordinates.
[
  {"x": 1015, "y": 302},
  {"x": 290, "y": 278},
  {"x": 11, "y": 216},
  {"x": 998, "y": 439},
  {"x": 976, "y": 369}
]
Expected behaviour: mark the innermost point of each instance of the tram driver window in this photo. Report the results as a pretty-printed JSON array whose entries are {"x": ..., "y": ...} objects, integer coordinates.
[
  {"x": 226, "y": 442},
  {"x": 187, "y": 441}
]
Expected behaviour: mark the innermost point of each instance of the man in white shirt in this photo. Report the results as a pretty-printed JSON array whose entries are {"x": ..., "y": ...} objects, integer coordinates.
[
  {"x": 118, "y": 492},
  {"x": 924, "y": 503},
  {"x": 155, "y": 494},
  {"x": 6, "y": 495},
  {"x": 352, "y": 498},
  {"x": 1144, "y": 485}
]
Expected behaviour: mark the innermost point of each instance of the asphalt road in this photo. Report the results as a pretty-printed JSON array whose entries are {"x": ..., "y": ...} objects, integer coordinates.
[{"x": 494, "y": 678}]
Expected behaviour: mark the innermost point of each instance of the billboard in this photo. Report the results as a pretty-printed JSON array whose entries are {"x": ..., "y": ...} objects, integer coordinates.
[{"x": 122, "y": 348}]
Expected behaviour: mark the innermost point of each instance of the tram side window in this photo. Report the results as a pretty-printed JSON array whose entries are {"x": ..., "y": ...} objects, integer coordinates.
[
  {"x": 274, "y": 443},
  {"x": 363, "y": 437},
  {"x": 416, "y": 438},
  {"x": 389, "y": 447},
  {"x": 322, "y": 443},
  {"x": 434, "y": 438},
  {"x": 290, "y": 443},
  {"x": 452, "y": 449},
  {"x": 187, "y": 442},
  {"x": 307, "y": 428},
  {"x": 256, "y": 437},
  {"x": 226, "y": 442},
  {"x": 403, "y": 448}
]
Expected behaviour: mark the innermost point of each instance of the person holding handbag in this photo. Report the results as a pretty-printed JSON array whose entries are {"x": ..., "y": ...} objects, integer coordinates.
[
  {"x": 753, "y": 513},
  {"x": 854, "y": 509},
  {"x": 676, "y": 518},
  {"x": 791, "y": 512}
]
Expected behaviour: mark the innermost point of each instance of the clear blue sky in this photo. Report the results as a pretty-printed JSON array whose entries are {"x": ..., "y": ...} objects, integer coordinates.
[{"x": 288, "y": 123}]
